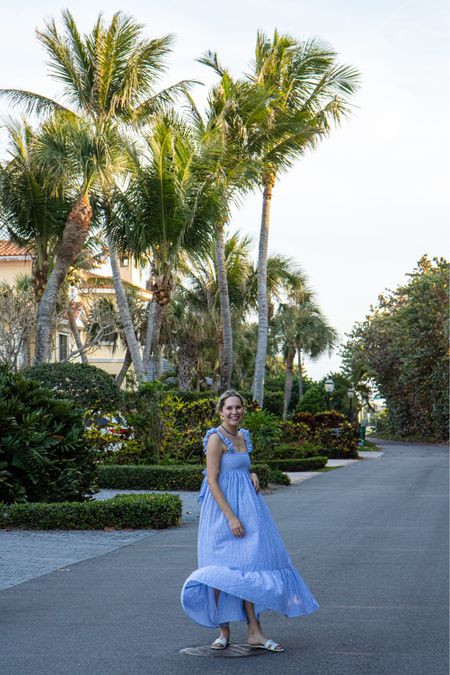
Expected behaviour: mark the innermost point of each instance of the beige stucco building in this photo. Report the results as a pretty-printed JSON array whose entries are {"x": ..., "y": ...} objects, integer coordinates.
[{"x": 15, "y": 261}]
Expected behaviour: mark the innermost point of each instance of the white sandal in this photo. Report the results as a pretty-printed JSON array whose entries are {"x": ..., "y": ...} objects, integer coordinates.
[
  {"x": 270, "y": 645},
  {"x": 221, "y": 642}
]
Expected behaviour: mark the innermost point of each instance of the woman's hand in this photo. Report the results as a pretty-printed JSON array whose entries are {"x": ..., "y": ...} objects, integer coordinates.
[
  {"x": 236, "y": 526},
  {"x": 255, "y": 481}
]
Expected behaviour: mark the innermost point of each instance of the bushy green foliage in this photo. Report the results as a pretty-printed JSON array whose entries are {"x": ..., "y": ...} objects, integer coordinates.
[
  {"x": 314, "y": 400},
  {"x": 328, "y": 432},
  {"x": 89, "y": 387},
  {"x": 296, "y": 450},
  {"x": 170, "y": 430},
  {"x": 142, "y": 409},
  {"x": 185, "y": 425},
  {"x": 265, "y": 432},
  {"x": 148, "y": 477},
  {"x": 342, "y": 444},
  {"x": 123, "y": 511},
  {"x": 159, "y": 477},
  {"x": 191, "y": 396},
  {"x": 329, "y": 419},
  {"x": 43, "y": 455},
  {"x": 402, "y": 348},
  {"x": 263, "y": 473},
  {"x": 308, "y": 464},
  {"x": 278, "y": 477}
]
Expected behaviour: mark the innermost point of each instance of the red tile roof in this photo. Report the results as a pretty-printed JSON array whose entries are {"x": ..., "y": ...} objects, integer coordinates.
[{"x": 8, "y": 249}]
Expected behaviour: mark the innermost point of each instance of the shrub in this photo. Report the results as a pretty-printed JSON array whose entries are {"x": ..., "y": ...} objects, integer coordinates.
[
  {"x": 296, "y": 450},
  {"x": 274, "y": 402},
  {"x": 309, "y": 464},
  {"x": 150, "y": 477},
  {"x": 123, "y": 511},
  {"x": 341, "y": 443},
  {"x": 43, "y": 455},
  {"x": 142, "y": 409},
  {"x": 192, "y": 396},
  {"x": 263, "y": 473},
  {"x": 294, "y": 431},
  {"x": 307, "y": 418},
  {"x": 329, "y": 419},
  {"x": 159, "y": 477},
  {"x": 265, "y": 432},
  {"x": 278, "y": 477},
  {"x": 114, "y": 443},
  {"x": 89, "y": 387}
]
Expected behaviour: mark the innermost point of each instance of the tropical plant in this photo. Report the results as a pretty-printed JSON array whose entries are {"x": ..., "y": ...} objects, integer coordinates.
[
  {"x": 234, "y": 109},
  {"x": 43, "y": 455},
  {"x": 163, "y": 213},
  {"x": 309, "y": 91},
  {"x": 30, "y": 212},
  {"x": 108, "y": 78}
]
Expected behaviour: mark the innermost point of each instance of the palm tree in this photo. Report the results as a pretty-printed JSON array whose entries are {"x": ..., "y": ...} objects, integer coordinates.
[
  {"x": 163, "y": 212},
  {"x": 309, "y": 91},
  {"x": 234, "y": 108},
  {"x": 108, "y": 78},
  {"x": 30, "y": 212},
  {"x": 301, "y": 328}
]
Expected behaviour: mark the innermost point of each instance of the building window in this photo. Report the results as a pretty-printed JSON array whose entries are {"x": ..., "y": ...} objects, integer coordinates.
[
  {"x": 124, "y": 261},
  {"x": 63, "y": 347}
]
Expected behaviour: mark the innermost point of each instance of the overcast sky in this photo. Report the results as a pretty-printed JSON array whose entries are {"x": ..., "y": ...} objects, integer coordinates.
[{"x": 360, "y": 211}]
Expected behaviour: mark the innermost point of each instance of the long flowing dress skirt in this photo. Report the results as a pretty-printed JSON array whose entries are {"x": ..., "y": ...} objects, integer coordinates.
[{"x": 255, "y": 567}]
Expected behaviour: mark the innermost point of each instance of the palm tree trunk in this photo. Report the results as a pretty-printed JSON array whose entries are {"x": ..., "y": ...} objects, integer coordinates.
[
  {"x": 74, "y": 235},
  {"x": 300, "y": 375},
  {"x": 263, "y": 322},
  {"x": 226, "y": 365},
  {"x": 124, "y": 370},
  {"x": 125, "y": 314},
  {"x": 151, "y": 314},
  {"x": 288, "y": 380},
  {"x": 156, "y": 351},
  {"x": 76, "y": 334},
  {"x": 188, "y": 357}
]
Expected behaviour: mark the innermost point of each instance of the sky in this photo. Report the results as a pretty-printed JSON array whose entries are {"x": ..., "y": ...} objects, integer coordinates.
[{"x": 358, "y": 212}]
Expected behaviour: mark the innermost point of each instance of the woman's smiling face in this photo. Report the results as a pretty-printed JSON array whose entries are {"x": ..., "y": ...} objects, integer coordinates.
[{"x": 232, "y": 411}]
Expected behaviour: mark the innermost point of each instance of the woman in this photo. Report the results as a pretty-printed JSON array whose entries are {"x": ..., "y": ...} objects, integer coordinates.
[{"x": 244, "y": 568}]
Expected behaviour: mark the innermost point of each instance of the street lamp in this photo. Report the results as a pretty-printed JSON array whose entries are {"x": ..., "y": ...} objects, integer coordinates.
[
  {"x": 329, "y": 388},
  {"x": 350, "y": 394}
]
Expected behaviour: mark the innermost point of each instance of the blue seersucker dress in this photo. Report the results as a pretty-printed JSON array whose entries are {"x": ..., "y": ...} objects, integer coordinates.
[{"x": 255, "y": 567}]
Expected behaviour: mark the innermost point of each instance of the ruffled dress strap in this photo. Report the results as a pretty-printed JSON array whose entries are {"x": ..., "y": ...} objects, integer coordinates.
[
  {"x": 204, "y": 485},
  {"x": 248, "y": 440},
  {"x": 209, "y": 433}
]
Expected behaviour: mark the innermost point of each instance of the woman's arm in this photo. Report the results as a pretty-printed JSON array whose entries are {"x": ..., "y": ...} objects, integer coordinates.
[{"x": 213, "y": 459}]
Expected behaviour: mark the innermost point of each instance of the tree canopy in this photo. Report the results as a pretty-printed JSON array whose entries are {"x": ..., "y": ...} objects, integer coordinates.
[{"x": 401, "y": 347}]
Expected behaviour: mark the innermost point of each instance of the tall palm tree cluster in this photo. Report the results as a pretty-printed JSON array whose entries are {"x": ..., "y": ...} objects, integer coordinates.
[{"x": 118, "y": 165}]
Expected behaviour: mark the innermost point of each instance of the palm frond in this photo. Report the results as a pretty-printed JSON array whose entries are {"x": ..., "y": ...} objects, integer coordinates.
[{"x": 31, "y": 102}]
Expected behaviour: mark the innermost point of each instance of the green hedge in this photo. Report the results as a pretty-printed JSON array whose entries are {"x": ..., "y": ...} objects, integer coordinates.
[
  {"x": 309, "y": 464},
  {"x": 160, "y": 477},
  {"x": 150, "y": 477},
  {"x": 278, "y": 477},
  {"x": 124, "y": 511},
  {"x": 297, "y": 451}
]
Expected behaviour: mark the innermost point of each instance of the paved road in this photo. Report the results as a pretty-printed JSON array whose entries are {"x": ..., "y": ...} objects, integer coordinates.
[{"x": 370, "y": 539}]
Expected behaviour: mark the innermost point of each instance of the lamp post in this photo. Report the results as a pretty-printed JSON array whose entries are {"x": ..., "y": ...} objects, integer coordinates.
[
  {"x": 329, "y": 388},
  {"x": 350, "y": 394}
]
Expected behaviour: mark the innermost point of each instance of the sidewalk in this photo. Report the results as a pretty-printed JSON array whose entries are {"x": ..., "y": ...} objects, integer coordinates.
[{"x": 300, "y": 476}]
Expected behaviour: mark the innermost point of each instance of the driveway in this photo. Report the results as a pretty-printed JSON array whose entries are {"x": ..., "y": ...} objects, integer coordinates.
[{"x": 370, "y": 539}]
